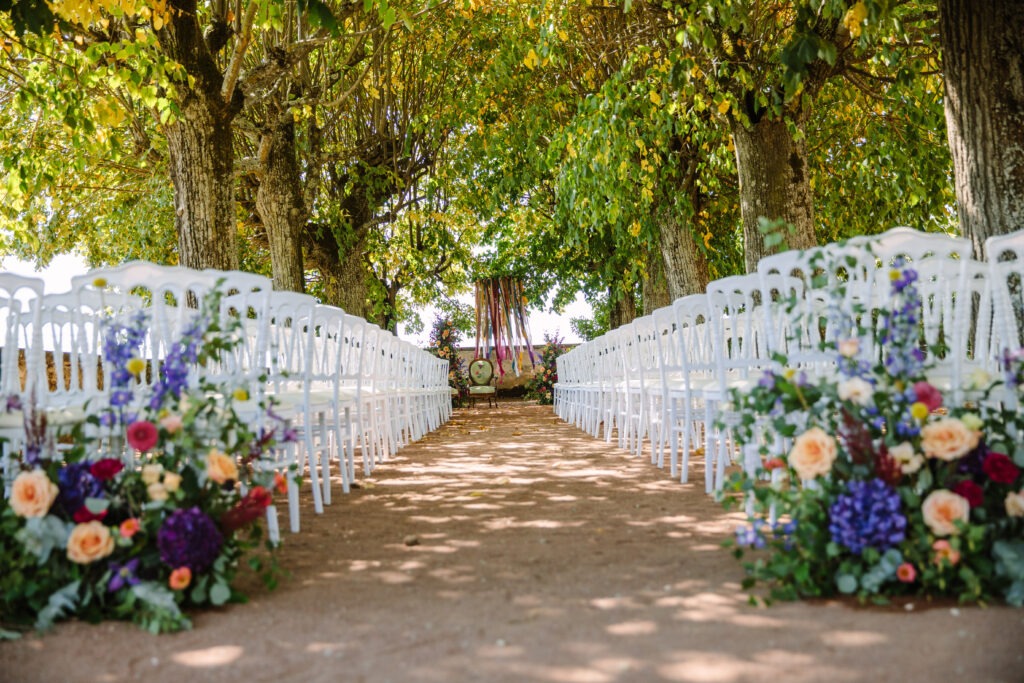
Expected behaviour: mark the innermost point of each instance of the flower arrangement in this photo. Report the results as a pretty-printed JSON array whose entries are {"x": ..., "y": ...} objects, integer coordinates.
[
  {"x": 879, "y": 487},
  {"x": 444, "y": 340},
  {"x": 541, "y": 386},
  {"x": 157, "y": 499}
]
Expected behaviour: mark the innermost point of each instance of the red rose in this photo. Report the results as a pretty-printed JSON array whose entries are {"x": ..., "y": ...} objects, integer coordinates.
[
  {"x": 1000, "y": 468},
  {"x": 248, "y": 510},
  {"x": 971, "y": 491},
  {"x": 83, "y": 515},
  {"x": 106, "y": 468},
  {"x": 142, "y": 435},
  {"x": 928, "y": 395}
]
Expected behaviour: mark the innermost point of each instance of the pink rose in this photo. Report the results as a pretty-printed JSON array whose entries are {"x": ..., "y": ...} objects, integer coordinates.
[
  {"x": 142, "y": 435},
  {"x": 928, "y": 395},
  {"x": 906, "y": 573},
  {"x": 942, "y": 509},
  {"x": 172, "y": 423},
  {"x": 813, "y": 453}
]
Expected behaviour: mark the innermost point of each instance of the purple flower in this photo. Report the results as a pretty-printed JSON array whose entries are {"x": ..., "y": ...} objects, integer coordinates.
[
  {"x": 76, "y": 483},
  {"x": 123, "y": 575},
  {"x": 767, "y": 380},
  {"x": 120, "y": 397},
  {"x": 751, "y": 535},
  {"x": 868, "y": 517},
  {"x": 189, "y": 538},
  {"x": 13, "y": 403}
]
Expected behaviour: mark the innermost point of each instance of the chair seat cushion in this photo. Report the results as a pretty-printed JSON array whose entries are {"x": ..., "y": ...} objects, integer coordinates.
[{"x": 481, "y": 390}]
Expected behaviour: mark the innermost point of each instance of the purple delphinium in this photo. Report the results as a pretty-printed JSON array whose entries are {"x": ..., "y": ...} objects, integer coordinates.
[
  {"x": 898, "y": 328},
  {"x": 174, "y": 371},
  {"x": 122, "y": 575},
  {"x": 767, "y": 380},
  {"x": 189, "y": 538},
  {"x": 868, "y": 517},
  {"x": 751, "y": 535},
  {"x": 121, "y": 343},
  {"x": 76, "y": 484},
  {"x": 1013, "y": 368}
]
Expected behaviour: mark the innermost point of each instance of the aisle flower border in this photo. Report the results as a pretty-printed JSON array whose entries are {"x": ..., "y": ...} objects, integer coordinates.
[
  {"x": 86, "y": 532},
  {"x": 870, "y": 483}
]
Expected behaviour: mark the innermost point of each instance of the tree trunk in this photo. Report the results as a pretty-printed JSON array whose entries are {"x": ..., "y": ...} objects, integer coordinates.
[
  {"x": 685, "y": 268},
  {"x": 201, "y": 157},
  {"x": 279, "y": 202},
  {"x": 655, "y": 287},
  {"x": 622, "y": 310},
  {"x": 199, "y": 144},
  {"x": 774, "y": 183},
  {"x": 983, "y": 65},
  {"x": 345, "y": 282}
]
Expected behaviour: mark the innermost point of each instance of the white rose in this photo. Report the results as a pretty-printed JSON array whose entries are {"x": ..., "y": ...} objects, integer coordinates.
[
  {"x": 908, "y": 460},
  {"x": 978, "y": 379},
  {"x": 856, "y": 390}
]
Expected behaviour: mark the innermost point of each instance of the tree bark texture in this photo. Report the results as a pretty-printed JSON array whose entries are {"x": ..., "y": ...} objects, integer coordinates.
[
  {"x": 346, "y": 282},
  {"x": 983, "y": 65},
  {"x": 655, "y": 286},
  {"x": 685, "y": 267},
  {"x": 774, "y": 183},
  {"x": 200, "y": 148},
  {"x": 281, "y": 205},
  {"x": 622, "y": 310}
]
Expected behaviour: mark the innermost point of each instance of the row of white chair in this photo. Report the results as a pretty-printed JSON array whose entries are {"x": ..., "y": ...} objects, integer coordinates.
[
  {"x": 341, "y": 382},
  {"x": 667, "y": 376}
]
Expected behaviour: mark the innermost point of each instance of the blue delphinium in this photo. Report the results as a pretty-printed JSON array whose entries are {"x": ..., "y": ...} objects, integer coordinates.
[
  {"x": 181, "y": 356},
  {"x": 121, "y": 343},
  {"x": 899, "y": 334},
  {"x": 868, "y": 517}
]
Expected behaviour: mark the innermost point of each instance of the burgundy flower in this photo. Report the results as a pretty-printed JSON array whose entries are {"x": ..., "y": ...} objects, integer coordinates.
[
  {"x": 142, "y": 435},
  {"x": 248, "y": 510},
  {"x": 928, "y": 395},
  {"x": 83, "y": 515},
  {"x": 974, "y": 494},
  {"x": 106, "y": 468},
  {"x": 1000, "y": 468}
]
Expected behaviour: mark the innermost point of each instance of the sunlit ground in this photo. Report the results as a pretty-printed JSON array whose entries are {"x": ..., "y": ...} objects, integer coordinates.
[{"x": 511, "y": 546}]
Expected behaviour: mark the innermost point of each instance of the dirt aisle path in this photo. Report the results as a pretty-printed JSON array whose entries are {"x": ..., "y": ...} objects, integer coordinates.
[{"x": 543, "y": 555}]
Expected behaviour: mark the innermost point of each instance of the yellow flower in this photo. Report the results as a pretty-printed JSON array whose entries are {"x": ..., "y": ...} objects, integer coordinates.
[
  {"x": 221, "y": 467},
  {"x": 172, "y": 481},
  {"x": 241, "y": 395},
  {"x": 151, "y": 473},
  {"x": 99, "y": 282},
  {"x": 136, "y": 366},
  {"x": 788, "y": 373},
  {"x": 919, "y": 411},
  {"x": 894, "y": 275}
]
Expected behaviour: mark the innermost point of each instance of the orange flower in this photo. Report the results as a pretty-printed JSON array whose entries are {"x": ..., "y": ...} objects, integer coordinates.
[
  {"x": 180, "y": 578},
  {"x": 130, "y": 527},
  {"x": 32, "y": 494},
  {"x": 280, "y": 483},
  {"x": 220, "y": 467},
  {"x": 944, "y": 551}
]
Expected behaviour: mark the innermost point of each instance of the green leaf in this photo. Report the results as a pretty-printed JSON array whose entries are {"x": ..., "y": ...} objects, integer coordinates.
[{"x": 219, "y": 593}]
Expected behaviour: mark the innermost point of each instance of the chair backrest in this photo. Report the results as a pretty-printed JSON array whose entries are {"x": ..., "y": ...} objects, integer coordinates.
[
  {"x": 20, "y": 299},
  {"x": 481, "y": 371},
  {"x": 737, "y": 325},
  {"x": 1005, "y": 255}
]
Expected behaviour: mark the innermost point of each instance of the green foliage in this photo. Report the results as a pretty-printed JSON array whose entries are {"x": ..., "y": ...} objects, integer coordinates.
[{"x": 444, "y": 343}]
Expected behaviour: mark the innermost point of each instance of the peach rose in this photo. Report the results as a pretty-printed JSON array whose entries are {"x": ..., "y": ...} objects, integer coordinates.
[
  {"x": 944, "y": 551},
  {"x": 948, "y": 439},
  {"x": 220, "y": 467},
  {"x": 32, "y": 494},
  {"x": 1015, "y": 504},
  {"x": 813, "y": 453},
  {"x": 89, "y": 542},
  {"x": 156, "y": 491},
  {"x": 942, "y": 508}
]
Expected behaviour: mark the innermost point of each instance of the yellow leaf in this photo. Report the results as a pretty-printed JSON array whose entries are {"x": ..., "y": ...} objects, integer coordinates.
[
  {"x": 854, "y": 19},
  {"x": 656, "y": 98},
  {"x": 563, "y": 35},
  {"x": 158, "y": 22},
  {"x": 723, "y": 106},
  {"x": 531, "y": 60}
]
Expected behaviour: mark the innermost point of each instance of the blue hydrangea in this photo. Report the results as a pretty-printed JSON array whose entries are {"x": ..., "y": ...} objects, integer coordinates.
[{"x": 867, "y": 517}]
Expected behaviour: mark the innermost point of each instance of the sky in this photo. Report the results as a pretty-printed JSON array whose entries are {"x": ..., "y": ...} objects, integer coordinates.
[{"x": 58, "y": 274}]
